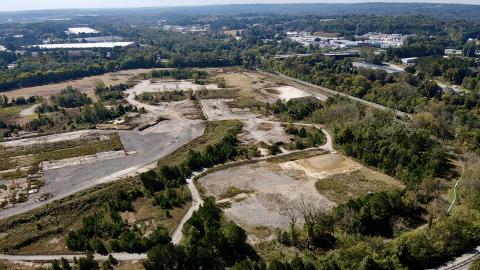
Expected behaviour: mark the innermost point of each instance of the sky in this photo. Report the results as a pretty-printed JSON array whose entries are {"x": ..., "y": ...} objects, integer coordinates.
[{"x": 15, "y": 5}]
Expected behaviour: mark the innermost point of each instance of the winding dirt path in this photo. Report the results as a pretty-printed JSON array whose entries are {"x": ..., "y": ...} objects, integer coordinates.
[{"x": 177, "y": 234}]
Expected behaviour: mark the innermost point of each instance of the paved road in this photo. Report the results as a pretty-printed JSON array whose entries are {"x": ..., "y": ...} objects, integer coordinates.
[
  {"x": 50, "y": 258},
  {"x": 462, "y": 262},
  {"x": 330, "y": 92}
]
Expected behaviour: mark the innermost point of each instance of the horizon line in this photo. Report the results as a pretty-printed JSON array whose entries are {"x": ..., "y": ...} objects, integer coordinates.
[{"x": 232, "y": 4}]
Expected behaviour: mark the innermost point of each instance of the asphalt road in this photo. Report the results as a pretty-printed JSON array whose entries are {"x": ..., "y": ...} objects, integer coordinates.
[{"x": 462, "y": 262}]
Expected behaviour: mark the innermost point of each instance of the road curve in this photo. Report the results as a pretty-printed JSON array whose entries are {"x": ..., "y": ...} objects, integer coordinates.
[{"x": 177, "y": 234}]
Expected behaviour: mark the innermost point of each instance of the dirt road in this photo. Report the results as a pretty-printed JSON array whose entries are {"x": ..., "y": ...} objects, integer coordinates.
[
  {"x": 197, "y": 201},
  {"x": 29, "y": 111},
  {"x": 177, "y": 234}
]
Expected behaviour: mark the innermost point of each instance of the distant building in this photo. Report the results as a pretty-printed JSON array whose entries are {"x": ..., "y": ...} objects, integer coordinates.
[
  {"x": 382, "y": 40},
  {"x": 185, "y": 29},
  {"x": 82, "y": 46},
  {"x": 409, "y": 60},
  {"x": 453, "y": 52},
  {"x": 81, "y": 30},
  {"x": 284, "y": 56},
  {"x": 307, "y": 40},
  {"x": 342, "y": 54},
  {"x": 99, "y": 39},
  {"x": 365, "y": 65},
  {"x": 343, "y": 43}
]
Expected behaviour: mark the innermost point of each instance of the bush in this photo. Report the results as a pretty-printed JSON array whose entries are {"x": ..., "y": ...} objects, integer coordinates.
[{"x": 71, "y": 98}]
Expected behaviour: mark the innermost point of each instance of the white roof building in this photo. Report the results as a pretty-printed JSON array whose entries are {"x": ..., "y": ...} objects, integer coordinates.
[
  {"x": 94, "y": 45},
  {"x": 81, "y": 30}
]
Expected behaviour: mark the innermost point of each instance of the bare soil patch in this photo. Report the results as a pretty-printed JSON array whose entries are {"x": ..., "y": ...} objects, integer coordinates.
[
  {"x": 323, "y": 165},
  {"x": 85, "y": 85},
  {"x": 288, "y": 92},
  {"x": 269, "y": 189},
  {"x": 341, "y": 178}
]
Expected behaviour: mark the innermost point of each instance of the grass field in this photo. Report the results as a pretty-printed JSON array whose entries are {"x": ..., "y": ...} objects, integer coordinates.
[
  {"x": 35, "y": 230},
  {"x": 342, "y": 187},
  {"x": 10, "y": 113},
  {"x": 85, "y": 85},
  {"x": 227, "y": 93},
  {"x": 246, "y": 102}
]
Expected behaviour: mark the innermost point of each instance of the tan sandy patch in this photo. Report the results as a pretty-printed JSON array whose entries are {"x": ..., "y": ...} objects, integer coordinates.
[{"x": 323, "y": 165}]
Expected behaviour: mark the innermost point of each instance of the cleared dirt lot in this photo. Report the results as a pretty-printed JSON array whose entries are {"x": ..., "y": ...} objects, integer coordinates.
[
  {"x": 340, "y": 178},
  {"x": 144, "y": 148},
  {"x": 85, "y": 85},
  {"x": 255, "y": 128},
  {"x": 269, "y": 188},
  {"x": 322, "y": 166},
  {"x": 257, "y": 195},
  {"x": 288, "y": 92},
  {"x": 167, "y": 85}
]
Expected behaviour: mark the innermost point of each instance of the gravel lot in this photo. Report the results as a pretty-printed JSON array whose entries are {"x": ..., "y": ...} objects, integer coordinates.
[
  {"x": 273, "y": 188},
  {"x": 255, "y": 128},
  {"x": 144, "y": 148}
]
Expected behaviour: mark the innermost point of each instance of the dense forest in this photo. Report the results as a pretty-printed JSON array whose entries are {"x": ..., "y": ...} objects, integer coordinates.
[{"x": 412, "y": 154}]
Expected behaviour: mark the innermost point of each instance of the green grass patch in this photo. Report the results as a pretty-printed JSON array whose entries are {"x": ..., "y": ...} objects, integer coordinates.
[
  {"x": 227, "y": 93},
  {"x": 32, "y": 155},
  {"x": 246, "y": 102},
  {"x": 297, "y": 155},
  {"x": 11, "y": 111},
  {"x": 234, "y": 191},
  {"x": 112, "y": 144},
  {"x": 13, "y": 175},
  {"x": 167, "y": 96},
  {"x": 214, "y": 133},
  {"x": 343, "y": 187}
]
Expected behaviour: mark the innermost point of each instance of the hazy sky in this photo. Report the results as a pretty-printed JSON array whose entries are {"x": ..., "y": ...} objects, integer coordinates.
[{"x": 12, "y": 5}]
